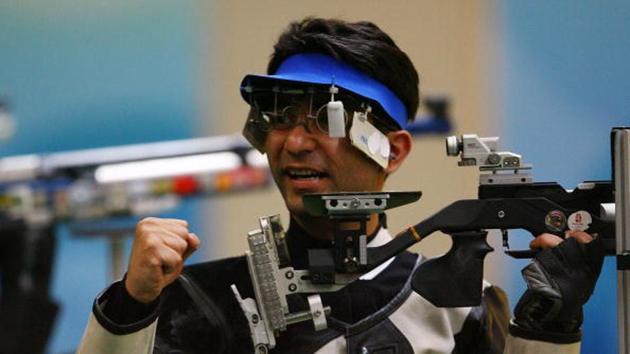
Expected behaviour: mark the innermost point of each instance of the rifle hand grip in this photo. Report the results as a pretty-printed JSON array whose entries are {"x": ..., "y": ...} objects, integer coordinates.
[{"x": 455, "y": 279}]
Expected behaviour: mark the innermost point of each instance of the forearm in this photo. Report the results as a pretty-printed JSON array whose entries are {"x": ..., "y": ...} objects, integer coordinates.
[
  {"x": 516, "y": 345},
  {"x": 119, "y": 324},
  {"x": 98, "y": 340}
]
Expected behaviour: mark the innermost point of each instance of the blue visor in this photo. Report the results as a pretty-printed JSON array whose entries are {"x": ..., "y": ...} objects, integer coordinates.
[{"x": 314, "y": 68}]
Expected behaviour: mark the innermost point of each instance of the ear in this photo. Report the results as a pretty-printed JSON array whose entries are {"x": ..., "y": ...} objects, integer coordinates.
[{"x": 400, "y": 142}]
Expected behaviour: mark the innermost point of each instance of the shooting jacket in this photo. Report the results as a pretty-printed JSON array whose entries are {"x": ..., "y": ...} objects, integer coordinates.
[{"x": 377, "y": 314}]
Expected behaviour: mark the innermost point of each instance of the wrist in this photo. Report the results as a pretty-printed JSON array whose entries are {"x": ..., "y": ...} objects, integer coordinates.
[
  {"x": 142, "y": 296},
  {"x": 121, "y": 314},
  {"x": 518, "y": 330}
]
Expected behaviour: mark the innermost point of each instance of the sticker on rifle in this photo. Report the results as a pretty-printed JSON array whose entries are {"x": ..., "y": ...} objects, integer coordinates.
[
  {"x": 555, "y": 220},
  {"x": 579, "y": 221}
]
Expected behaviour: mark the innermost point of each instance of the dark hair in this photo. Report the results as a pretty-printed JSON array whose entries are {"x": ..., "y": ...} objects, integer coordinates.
[{"x": 360, "y": 44}]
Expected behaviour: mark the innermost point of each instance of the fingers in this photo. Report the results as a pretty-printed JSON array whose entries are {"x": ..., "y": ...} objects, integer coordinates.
[
  {"x": 171, "y": 261},
  {"x": 176, "y": 226},
  {"x": 193, "y": 244},
  {"x": 545, "y": 241},
  {"x": 171, "y": 232},
  {"x": 176, "y": 242},
  {"x": 157, "y": 257},
  {"x": 184, "y": 242},
  {"x": 179, "y": 248},
  {"x": 580, "y": 236},
  {"x": 173, "y": 221}
]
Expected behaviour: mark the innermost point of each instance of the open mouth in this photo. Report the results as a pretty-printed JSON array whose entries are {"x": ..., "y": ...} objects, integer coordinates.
[{"x": 304, "y": 174}]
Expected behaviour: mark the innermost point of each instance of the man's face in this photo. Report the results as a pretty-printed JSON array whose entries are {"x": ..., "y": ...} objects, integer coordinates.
[{"x": 308, "y": 161}]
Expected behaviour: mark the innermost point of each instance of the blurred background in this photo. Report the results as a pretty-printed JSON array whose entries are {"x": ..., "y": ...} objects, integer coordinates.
[{"x": 549, "y": 78}]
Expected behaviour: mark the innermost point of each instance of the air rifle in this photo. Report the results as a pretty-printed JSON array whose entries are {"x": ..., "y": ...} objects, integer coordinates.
[{"x": 508, "y": 199}]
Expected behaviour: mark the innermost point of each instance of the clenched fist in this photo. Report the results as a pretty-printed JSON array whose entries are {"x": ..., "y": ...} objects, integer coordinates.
[{"x": 157, "y": 257}]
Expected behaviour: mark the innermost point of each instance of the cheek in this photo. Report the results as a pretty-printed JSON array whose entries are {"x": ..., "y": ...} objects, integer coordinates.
[
  {"x": 273, "y": 146},
  {"x": 331, "y": 146},
  {"x": 272, "y": 141},
  {"x": 354, "y": 156},
  {"x": 352, "y": 164}
]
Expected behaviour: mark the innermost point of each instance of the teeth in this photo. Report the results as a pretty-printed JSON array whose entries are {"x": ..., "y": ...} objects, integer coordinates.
[{"x": 303, "y": 173}]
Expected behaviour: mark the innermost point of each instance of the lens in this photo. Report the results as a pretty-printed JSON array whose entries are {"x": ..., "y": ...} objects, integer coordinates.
[
  {"x": 258, "y": 120},
  {"x": 256, "y": 129},
  {"x": 321, "y": 118},
  {"x": 285, "y": 119},
  {"x": 282, "y": 108}
]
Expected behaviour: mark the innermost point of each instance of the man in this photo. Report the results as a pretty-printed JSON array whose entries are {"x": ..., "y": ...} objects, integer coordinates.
[{"x": 331, "y": 116}]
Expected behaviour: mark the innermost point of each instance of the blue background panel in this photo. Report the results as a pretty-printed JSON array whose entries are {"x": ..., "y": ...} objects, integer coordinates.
[{"x": 564, "y": 68}]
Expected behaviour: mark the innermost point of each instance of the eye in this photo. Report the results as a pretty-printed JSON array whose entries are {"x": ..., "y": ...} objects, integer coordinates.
[
  {"x": 291, "y": 114},
  {"x": 285, "y": 119},
  {"x": 276, "y": 120}
]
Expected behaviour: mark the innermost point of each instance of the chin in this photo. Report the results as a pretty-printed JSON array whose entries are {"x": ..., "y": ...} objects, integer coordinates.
[
  {"x": 296, "y": 208},
  {"x": 294, "y": 203}
]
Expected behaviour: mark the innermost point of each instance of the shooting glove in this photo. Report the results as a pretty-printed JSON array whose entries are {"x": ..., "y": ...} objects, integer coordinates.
[{"x": 559, "y": 281}]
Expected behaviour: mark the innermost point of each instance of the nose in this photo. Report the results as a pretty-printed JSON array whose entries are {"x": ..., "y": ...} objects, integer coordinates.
[{"x": 300, "y": 140}]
